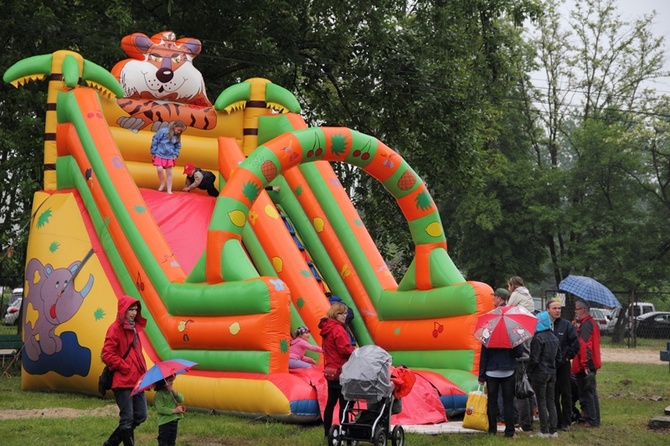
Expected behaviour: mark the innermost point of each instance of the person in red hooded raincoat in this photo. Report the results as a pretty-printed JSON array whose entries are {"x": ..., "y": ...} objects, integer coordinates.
[
  {"x": 123, "y": 336},
  {"x": 337, "y": 348}
]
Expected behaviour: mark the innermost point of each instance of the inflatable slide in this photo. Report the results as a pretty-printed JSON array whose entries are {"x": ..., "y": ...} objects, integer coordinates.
[{"x": 223, "y": 280}]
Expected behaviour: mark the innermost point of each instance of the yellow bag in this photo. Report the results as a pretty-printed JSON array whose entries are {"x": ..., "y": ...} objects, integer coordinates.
[{"x": 475, "y": 410}]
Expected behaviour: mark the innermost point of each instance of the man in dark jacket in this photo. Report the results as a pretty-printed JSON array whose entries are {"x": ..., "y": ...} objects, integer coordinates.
[
  {"x": 567, "y": 336},
  {"x": 500, "y": 297},
  {"x": 587, "y": 362},
  {"x": 497, "y": 368}
]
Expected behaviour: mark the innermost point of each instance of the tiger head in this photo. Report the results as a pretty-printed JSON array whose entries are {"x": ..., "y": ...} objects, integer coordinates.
[{"x": 161, "y": 68}]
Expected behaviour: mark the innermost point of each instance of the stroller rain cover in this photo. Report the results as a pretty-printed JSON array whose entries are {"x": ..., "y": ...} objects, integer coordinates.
[{"x": 367, "y": 374}]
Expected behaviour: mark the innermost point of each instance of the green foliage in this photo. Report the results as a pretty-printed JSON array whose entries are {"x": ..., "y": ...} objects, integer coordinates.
[
  {"x": 588, "y": 208},
  {"x": 407, "y": 76},
  {"x": 537, "y": 191}
]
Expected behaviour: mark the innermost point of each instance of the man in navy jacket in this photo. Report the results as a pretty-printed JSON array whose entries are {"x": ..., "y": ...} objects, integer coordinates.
[{"x": 567, "y": 335}]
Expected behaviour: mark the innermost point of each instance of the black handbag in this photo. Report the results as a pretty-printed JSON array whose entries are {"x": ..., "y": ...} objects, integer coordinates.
[
  {"x": 105, "y": 381},
  {"x": 107, "y": 376},
  {"x": 523, "y": 389}
]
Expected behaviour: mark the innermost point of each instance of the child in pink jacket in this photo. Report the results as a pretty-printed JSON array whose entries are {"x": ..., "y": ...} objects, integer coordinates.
[{"x": 299, "y": 344}]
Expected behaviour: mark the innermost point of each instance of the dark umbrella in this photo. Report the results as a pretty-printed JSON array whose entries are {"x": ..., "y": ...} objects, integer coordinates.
[{"x": 589, "y": 289}]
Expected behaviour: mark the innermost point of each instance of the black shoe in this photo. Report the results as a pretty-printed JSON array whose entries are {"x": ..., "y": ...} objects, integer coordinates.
[
  {"x": 127, "y": 437},
  {"x": 114, "y": 439}
]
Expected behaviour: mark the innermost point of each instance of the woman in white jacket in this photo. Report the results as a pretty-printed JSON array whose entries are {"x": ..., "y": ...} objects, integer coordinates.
[
  {"x": 520, "y": 297},
  {"x": 519, "y": 294}
]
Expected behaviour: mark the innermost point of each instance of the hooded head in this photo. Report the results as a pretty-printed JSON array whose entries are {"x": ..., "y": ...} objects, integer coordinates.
[
  {"x": 189, "y": 168},
  {"x": 332, "y": 298},
  {"x": 124, "y": 303},
  {"x": 543, "y": 322}
]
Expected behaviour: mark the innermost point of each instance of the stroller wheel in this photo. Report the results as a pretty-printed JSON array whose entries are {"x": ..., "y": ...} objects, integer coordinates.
[
  {"x": 334, "y": 435},
  {"x": 398, "y": 436},
  {"x": 380, "y": 437}
]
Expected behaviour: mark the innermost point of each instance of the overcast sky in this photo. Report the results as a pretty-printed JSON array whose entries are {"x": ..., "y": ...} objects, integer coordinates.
[{"x": 630, "y": 10}]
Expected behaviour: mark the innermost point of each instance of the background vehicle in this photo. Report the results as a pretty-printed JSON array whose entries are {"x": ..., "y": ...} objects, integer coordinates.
[
  {"x": 611, "y": 321},
  {"x": 14, "y": 307},
  {"x": 600, "y": 316},
  {"x": 653, "y": 325},
  {"x": 635, "y": 309},
  {"x": 640, "y": 308}
]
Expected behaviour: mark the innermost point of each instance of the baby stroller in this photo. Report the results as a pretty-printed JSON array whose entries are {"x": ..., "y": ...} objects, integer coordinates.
[{"x": 366, "y": 381}]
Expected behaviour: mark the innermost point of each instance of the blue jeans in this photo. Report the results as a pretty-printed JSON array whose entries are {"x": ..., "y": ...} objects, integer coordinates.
[
  {"x": 506, "y": 387},
  {"x": 132, "y": 410},
  {"x": 544, "y": 385},
  {"x": 588, "y": 399}
]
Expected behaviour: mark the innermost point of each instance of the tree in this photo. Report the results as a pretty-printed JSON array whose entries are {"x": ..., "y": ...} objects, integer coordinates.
[
  {"x": 31, "y": 28},
  {"x": 649, "y": 143},
  {"x": 426, "y": 78},
  {"x": 595, "y": 73}
]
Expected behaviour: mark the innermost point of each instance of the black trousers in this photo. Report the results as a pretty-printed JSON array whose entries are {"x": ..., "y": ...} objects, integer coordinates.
[
  {"x": 563, "y": 395},
  {"x": 504, "y": 387},
  {"x": 167, "y": 433},
  {"x": 208, "y": 185},
  {"x": 334, "y": 396}
]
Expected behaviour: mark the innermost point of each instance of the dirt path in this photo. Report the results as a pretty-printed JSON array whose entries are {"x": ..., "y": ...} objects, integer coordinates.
[
  {"x": 59, "y": 412},
  {"x": 631, "y": 355}
]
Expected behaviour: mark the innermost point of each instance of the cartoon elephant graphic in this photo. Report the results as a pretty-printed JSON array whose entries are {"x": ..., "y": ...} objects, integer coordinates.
[{"x": 56, "y": 301}]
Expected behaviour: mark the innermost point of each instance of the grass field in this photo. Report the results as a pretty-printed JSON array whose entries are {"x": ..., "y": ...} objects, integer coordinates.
[{"x": 630, "y": 394}]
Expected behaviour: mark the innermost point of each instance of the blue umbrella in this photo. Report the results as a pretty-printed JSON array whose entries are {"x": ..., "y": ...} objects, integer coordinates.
[
  {"x": 160, "y": 371},
  {"x": 589, "y": 289}
]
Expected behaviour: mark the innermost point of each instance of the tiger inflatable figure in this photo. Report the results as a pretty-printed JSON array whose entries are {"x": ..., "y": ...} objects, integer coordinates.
[{"x": 161, "y": 84}]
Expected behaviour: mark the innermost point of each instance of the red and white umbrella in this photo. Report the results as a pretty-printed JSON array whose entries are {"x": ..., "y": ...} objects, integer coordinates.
[{"x": 505, "y": 327}]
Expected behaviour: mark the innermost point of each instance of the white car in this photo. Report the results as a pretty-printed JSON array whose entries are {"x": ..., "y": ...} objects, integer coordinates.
[
  {"x": 14, "y": 307},
  {"x": 611, "y": 320},
  {"x": 600, "y": 316}
]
